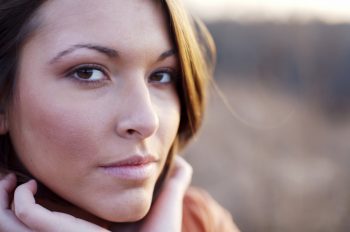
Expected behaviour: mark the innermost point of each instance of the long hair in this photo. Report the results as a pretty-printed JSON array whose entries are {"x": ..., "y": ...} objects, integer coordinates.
[
  {"x": 197, "y": 58},
  {"x": 197, "y": 55}
]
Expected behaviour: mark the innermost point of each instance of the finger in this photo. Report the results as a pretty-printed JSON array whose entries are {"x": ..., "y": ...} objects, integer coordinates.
[
  {"x": 31, "y": 214},
  {"x": 166, "y": 212},
  {"x": 8, "y": 220},
  {"x": 7, "y": 186},
  {"x": 180, "y": 174},
  {"x": 39, "y": 218},
  {"x": 182, "y": 169},
  {"x": 24, "y": 200}
]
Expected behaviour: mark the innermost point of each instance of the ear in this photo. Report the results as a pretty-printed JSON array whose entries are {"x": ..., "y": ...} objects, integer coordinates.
[{"x": 3, "y": 123}]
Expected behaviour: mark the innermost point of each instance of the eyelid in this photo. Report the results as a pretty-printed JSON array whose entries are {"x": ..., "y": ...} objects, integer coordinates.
[
  {"x": 86, "y": 66},
  {"x": 88, "y": 83},
  {"x": 173, "y": 72}
]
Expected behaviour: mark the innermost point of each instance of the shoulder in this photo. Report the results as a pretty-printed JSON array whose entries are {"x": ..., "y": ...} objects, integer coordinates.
[{"x": 202, "y": 213}]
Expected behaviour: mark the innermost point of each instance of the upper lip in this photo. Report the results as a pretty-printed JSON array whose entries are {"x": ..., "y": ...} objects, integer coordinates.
[{"x": 134, "y": 160}]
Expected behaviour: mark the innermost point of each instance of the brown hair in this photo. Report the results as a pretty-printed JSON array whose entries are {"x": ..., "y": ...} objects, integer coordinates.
[{"x": 196, "y": 52}]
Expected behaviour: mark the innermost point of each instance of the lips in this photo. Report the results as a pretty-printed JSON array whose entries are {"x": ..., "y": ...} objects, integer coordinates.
[
  {"x": 138, "y": 168},
  {"x": 136, "y": 160}
]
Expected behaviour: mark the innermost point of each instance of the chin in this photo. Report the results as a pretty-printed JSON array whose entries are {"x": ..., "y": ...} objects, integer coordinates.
[
  {"x": 132, "y": 214},
  {"x": 129, "y": 210}
]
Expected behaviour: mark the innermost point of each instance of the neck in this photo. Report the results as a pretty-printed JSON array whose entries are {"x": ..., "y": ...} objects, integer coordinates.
[
  {"x": 63, "y": 207},
  {"x": 70, "y": 209}
]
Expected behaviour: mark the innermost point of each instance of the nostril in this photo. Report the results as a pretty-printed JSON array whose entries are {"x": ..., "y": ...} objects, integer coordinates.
[{"x": 139, "y": 124}]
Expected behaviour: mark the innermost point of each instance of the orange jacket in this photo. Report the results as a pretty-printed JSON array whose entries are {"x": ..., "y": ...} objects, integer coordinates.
[{"x": 201, "y": 213}]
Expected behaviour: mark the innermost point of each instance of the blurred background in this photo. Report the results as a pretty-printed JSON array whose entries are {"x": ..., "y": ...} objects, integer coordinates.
[{"x": 274, "y": 149}]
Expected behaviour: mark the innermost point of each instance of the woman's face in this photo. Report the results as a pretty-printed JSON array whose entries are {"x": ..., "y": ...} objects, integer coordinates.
[{"x": 95, "y": 110}]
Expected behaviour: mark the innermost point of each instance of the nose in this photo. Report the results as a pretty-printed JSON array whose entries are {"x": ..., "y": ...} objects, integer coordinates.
[{"x": 138, "y": 116}]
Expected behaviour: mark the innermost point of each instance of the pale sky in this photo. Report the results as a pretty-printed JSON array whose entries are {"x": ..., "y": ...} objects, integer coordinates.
[{"x": 332, "y": 11}]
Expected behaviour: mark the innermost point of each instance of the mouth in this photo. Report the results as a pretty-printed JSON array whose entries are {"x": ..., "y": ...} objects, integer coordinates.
[{"x": 137, "y": 167}]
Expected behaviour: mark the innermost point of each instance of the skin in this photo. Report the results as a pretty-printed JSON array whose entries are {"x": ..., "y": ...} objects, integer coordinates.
[{"x": 67, "y": 123}]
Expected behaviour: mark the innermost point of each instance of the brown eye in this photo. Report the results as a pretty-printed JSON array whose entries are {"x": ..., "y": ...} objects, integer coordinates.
[
  {"x": 85, "y": 73},
  {"x": 162, "y": 77},
  {"x": 89, "y": 74}
]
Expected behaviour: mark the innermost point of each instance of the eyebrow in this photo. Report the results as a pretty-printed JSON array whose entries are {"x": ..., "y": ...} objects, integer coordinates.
[
  {"x": 166, "y": 54},
  {"x": 105, "y": 50},
  {"x": 110, "y": 52}
]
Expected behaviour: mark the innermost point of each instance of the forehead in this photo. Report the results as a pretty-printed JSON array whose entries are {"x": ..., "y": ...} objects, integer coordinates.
[{"x": 111, "y": 22}]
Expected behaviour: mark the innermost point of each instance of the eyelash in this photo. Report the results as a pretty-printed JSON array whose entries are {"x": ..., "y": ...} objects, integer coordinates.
[
  {"x": 95, "y": 83},
  {"x": 172, "y": 73}
]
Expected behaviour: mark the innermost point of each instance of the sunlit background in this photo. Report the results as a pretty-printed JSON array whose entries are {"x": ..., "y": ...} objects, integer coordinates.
[
  {"x": 332, "y": 11},
  {"x": 275, "y": 146}
]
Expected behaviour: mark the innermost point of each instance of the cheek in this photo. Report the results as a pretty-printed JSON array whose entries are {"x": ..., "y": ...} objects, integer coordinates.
[
  {"x": 169, "y": 120},
  {"x": 47, "y": 132},
  {"x": 64, "y": 129}
]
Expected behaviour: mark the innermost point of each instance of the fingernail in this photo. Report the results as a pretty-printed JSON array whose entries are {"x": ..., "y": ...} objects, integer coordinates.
[{"x": 32, "y": 181}]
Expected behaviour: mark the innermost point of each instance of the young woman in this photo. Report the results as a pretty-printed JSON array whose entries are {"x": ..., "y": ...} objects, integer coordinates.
[{"x": 97, "y": 98}]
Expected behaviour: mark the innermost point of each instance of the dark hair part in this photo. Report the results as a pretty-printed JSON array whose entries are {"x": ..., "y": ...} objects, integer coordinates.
[
  {"x": 15, "y": 27},
  {"x": 16, "y": 24}
]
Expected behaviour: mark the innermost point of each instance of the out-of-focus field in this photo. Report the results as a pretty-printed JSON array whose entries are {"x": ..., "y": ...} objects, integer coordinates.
[{"x": 275, "y": 161}]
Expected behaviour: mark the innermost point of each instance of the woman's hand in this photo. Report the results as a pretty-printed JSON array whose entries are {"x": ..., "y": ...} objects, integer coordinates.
[
  {"x": 24, "y": 215},
  {"x": 8, "y": 220},
  {"x": 166, "y": 213}
]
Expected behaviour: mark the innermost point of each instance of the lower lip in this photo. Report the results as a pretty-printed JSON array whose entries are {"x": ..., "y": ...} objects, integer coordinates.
[{"x": 137, "y": 172}]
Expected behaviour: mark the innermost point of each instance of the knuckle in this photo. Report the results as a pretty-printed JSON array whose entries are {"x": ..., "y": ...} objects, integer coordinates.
[
  {"x": 187, "y": 167},
  {"x": 190, "y": 170},
  {"x": 4, "y": 181},
  {"x": 20, "y": 209},
  {"x": 22, "y": 214}
]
